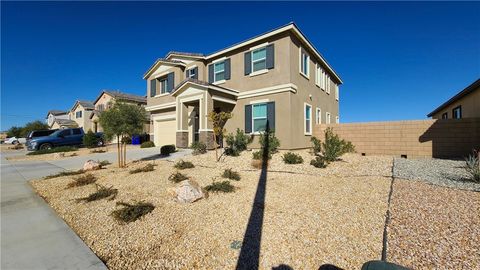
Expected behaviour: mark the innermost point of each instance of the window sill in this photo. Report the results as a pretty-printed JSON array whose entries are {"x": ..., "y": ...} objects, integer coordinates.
[
  {"x": 317, "y": 85},
  {"x": 219, "y": 82},
  {"x": 304, "y": 75},
  {"x": 161, "y": 95},
  {"x": 258, "y": 72},
  {"x": 307, "y": 134},
  {"x": 328, "y": 93}
]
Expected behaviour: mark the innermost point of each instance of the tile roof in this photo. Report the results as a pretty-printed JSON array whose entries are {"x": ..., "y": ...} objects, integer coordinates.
[
  {"x": 86, "y": 104},
  {"x": 125, "y": 96},
  {"x": 184, "y": 53},
  {"x": 56, "y": 112},
  {"x": 67, "y": 122}
]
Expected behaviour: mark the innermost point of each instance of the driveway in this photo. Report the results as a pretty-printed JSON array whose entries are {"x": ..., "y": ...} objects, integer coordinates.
[{"x": 32, "y": 235}]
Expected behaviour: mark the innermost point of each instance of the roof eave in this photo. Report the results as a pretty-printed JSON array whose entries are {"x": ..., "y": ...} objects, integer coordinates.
[{"x": 466, "y": 91}]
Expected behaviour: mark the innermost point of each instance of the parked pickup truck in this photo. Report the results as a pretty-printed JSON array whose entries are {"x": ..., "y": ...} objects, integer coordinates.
[{"x": 61, "y": 137}]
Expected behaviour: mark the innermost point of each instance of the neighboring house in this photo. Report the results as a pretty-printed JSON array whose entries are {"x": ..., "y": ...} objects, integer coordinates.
[
  {"x": 277, "y": 78},
  {"x": 465, "y": 104},
  {"x": 80, "y": 113},
  {"x": 55, "y": 114},
  {"x": 106, "y": 99},
  {"x": 63, "y": 123}
]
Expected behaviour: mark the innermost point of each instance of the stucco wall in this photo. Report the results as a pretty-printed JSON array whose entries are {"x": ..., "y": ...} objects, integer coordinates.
[
  {"x": 470, "y": 106},
  {"x": 418, "y": 138}
]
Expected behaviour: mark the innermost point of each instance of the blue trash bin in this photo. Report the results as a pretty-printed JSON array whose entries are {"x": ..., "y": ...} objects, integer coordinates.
[{"x": 136, "y": 140}]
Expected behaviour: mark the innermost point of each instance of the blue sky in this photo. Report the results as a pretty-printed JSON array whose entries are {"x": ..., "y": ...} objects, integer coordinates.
[{"x": 397, "y": 60}]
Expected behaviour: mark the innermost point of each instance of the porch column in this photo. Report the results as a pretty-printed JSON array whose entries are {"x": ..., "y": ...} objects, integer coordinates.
[
  {"x": 182, "y": 125},
  {"x": 206, "y": 128}
]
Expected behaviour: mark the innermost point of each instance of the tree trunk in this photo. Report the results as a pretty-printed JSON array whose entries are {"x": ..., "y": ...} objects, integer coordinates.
[
  {"x": 215, "y": 145},
  {"x": 124, "y": 154},
  {"x": 119, "y": 158}
]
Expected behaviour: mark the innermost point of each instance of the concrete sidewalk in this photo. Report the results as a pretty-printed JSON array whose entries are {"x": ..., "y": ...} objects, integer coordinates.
[{"x": 32, "y": 235}]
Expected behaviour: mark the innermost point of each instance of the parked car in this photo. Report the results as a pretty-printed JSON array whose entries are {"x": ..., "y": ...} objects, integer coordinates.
[
  {"x": 61, "y": 137},
  {"x": 40, "y": 133},
  {"x": 12, "y": 140}
]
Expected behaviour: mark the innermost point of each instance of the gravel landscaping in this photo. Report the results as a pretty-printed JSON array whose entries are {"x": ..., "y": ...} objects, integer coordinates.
[
  {"x": 311, "y": 216},
  {"x": 433, "y": 227},
  {"x": 442, "y": 172}
]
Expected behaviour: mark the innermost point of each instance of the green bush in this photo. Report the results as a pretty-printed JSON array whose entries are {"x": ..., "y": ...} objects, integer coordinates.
[
  {"x": 319, "y": 162},
  {"x": 54, "y": 150},
  {"x": 132, "y": 212},
  {"x": 101, "y": 193},
  {"x": 472, "y": 165},
  {"x": 224, "y": 186},
  {"x": 104, "y": 163},
  {"x": 147, "y": 168},
  {"x": 90, "y": 140},
  {"x": 273, "y": 142},
  {"x": 167, "y": 149},
  {"x": 198, "y": 148},
  {"x": 237, "y": 143},
  {"x": 231, "y": 174},
  {"x": 317, "y": 145},
  {"x": 292, "y": 158},
  {"x": 177, "y": 177},
  {"x": 96, "y": 151},
  {"x": 334, "y": 147},
  {"x": 183, "y": 165},
  {"x": 83, "y": 180},
  {"x": 258, "y": 155},
  {"x": 67, "y": 173},
  {"x": 147, "y": 144}
]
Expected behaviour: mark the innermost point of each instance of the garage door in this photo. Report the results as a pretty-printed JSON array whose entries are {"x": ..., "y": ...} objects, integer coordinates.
[{"x": 165, "y": 132}]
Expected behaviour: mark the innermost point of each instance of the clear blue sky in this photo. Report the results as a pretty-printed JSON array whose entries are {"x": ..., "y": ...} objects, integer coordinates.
[{"x": 397, "y": 60}]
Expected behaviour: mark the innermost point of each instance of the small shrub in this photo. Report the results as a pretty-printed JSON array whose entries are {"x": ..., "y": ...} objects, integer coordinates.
[
  {"x": 317, "y": 145},
  {"x": 167, "y": 149},
  {"x": 147, "y": 144},
  {"x": 96, "y": 151},
  {"x": 198, "y": 148},
  {"x": 83, "y": 180},
  {"x": 104, "y": 163},
  {"x": 147, "y": 168},
  {"x": 237, "y": 143},
  {"x": 258, "y": 155},
  {"x": 183, "y": 165},
  {"x": 273, "y": 142},
  {"x": 472, "y": 165},
  {"x": 319, "y": 162},
  {"x": 224, "y": 186},
  {"x": 292, "y": 158},
  {"x": 101, "y": 193},
  {"x": 132, "y": 212},
  {"x": 231, "y": 174},
  {"x": 53, "y": 150},
  {"x": 67, "y": 173},
  {"x": 258, "y": 163},
  {"x": 334, "y": 147},
  {"x": 177, "y": 177},
  {"x": 90, "y": 140}
]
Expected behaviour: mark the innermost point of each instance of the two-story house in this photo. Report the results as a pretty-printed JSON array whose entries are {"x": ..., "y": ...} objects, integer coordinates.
[
  {"x": 277, "y": 79},
  {"x": 106, "y": 99},
  {"x": 59, "y": 119},
  {"x": 80, "y": 113}
]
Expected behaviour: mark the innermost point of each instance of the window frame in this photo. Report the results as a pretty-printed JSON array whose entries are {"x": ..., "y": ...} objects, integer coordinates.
[
  {"x": 216, "y": 72},
  {"x": 337, "y": 94},
  {"x": 337, "y": 119},
  {"x": 256, "y": 118},
  {"x": 327, "y": 84},
  {"x": 318, "y": 75},
  {"x": 189, "y": 72},
  {"x": 318, "y": 116},
  {"x": 77, "y": 113},
  {"x": 161, "y": 82},
  {"x": 305, "y": 132},
  {"x": 264, "y": 59},
  {"x": 301, "y": 54},
  {"x": 459, "y": 108},
  {"x": 445, "y": 114},
  {"x": 328, "y": 117}
]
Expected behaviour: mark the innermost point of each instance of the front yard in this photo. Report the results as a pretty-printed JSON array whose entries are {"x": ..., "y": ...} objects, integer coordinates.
[{"x": 311, "y": 217}]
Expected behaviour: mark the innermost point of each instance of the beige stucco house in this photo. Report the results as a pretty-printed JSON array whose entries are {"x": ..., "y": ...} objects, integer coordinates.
[
  {"x": 465, "y": 104},
  {"x": 277, "y": 79},
  {"x": 80, "y": 114},
  {"x": 106, "y": 99},
  {"x": 54, "y": 118}
]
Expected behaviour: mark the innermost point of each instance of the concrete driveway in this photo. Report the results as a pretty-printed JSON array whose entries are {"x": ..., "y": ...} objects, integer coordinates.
[{"x": 32, "y": 235}]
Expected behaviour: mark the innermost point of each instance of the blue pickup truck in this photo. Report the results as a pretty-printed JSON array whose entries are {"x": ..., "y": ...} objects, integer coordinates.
[{"x": 61, "y": 137}]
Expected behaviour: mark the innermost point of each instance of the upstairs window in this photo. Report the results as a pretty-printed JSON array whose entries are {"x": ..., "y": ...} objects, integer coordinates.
[
  {"x": 259, "y": 117},
  {"x": 308, "y": 119},
  {"x": 318, "y": 116},
  {"x": 219, "y": 71},
  {"x": 327, "y": 84},
  {"x": 163, "y": 85},
  {"x": 327, "y": 118},
  {"x": 192, "y": 73},
  {"x": 336, "y": 92},
  {"x": 78, "y": 114},
  {"x": 100, "y": 107},
  {"x": 259, "y": 59},
  {"x": 445, "y": 115},
  {"x": 319, "y": 76},
  {"x": 457, "y": 112},
  {"x": 304, "y": 63}
]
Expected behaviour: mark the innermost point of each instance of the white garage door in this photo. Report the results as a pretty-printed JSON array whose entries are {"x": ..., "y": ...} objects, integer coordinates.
[{"x": 165, "y": 132}]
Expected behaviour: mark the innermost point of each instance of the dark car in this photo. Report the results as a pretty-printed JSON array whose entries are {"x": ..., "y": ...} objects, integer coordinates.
[
  {"x": 61, "y": 137},
  {"x": 40, "y": 133}
]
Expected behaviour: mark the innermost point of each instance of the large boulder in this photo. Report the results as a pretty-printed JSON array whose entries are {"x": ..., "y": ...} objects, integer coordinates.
[
  {"x": 187, "y": 191},
  {"x": 91, "y": 165}
]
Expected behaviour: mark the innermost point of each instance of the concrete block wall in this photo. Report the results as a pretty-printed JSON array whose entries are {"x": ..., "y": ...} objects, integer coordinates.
[{"x": 450, "y": 138}]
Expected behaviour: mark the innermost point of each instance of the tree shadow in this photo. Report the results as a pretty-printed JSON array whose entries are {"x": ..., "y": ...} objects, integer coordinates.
[{"x": 249, "y": 257}]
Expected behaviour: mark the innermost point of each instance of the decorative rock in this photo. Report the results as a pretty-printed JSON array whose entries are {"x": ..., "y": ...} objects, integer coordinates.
[
  {"x": 91, "y": 165},
  {"x": 188, "y": 191},
  {"x": 58, "y": 155}
]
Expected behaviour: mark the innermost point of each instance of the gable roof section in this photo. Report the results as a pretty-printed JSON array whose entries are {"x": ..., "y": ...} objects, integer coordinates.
[
  {"x": 288, "y": 27},
  {"x": 66, "y": 122},
  {"x": 122, "y": 96},
  {"x": 56, "y": 112},
  {"x": 185, "y": 54},
  {"x": 165, "y": 62},
  {"x": 469, "y": 89},
  {"x": 203, "y": 84},
  {"x": 88, "y": 105}
]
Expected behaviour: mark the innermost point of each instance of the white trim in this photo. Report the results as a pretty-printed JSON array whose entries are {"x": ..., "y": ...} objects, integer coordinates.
[
  {"x": 318, "y": 113},
  {"x": 205, "y": 130},
  {"x": 328, "y": 117},
  {"x": 190, "y": 67},
  {"x": 289, "y": 87},
  {"x": 337, "y": 120},
  {"x": 337, "y": 92},
  {"x": 307, "y": 74},
  {"x": 260, "y": 101},
  {"x": 162, "y": 95},
  {"x": 181, "y": 130},
  {"x": 164, "y": 117},
  {"x": 222, "y": 99},
  {"x": 259, "y": 46},
  {"x": 219, "y": 60},
  {"x": 218, "y": 82},
  {"x": 305, "y": 119},
  {"x": 258, "y": 72},
  {"x": 161, "y": 106},
  {"x": 190, "y": 98}
]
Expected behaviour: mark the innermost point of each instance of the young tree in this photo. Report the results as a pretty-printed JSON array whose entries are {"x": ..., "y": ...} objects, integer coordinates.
[
  {"x": 218, "y": 120},
  {"x": 31, "y": 126},
  {"x": 14, "y": 132},
  {"x": 122, "y": 120}
]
